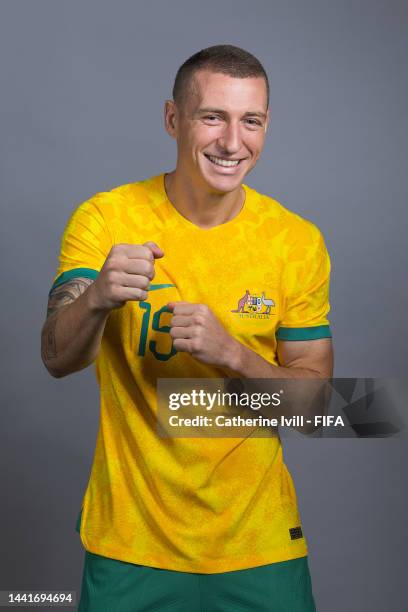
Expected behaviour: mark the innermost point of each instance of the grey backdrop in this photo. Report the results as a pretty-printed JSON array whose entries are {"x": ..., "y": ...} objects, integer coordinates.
[{"x": 83, "y": 89}]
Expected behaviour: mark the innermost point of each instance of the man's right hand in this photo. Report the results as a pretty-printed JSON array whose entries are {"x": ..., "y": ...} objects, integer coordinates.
[
  {"x": 78, "y": 309},
  {"x": 126, "y": 275}
]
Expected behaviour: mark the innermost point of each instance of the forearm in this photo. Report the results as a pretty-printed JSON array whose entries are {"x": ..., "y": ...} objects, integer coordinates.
[
  {"x": 309, "y": 396},
  {"x": 71, "y": 335},
  {"x": 242, "y": 361}
]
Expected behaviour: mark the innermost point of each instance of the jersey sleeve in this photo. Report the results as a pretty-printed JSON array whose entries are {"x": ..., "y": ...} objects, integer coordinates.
[
  {"x": 85, "y": 244},
  {"x": 306, "y": 280}
]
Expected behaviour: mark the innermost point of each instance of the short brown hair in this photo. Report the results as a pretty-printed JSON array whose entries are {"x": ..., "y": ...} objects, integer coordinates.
[{"x": 227, "y": 59}]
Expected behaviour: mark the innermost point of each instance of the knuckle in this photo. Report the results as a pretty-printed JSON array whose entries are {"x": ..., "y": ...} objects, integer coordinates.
[
  {"x": 122, "y": 261},
  {"x": 148, "y": 269},
  {"x": 109, "y": 264},
  {"x": 118, "y": 248},
  {"x": 111, "y": 276},
  {"x": 140, "y": 294},
  {"x": 116, "y": 262},
  {"x": 146, "y": 252},
  {"x": 145, "y": 283},
  {"x": 141, "y": 282}
]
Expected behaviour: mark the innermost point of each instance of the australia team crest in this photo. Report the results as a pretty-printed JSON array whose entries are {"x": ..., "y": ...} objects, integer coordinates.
[{"x": 252, "y": 305}]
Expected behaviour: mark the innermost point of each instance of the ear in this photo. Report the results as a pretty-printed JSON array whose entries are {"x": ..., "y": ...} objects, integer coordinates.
[{"x": 171, "y": 118}]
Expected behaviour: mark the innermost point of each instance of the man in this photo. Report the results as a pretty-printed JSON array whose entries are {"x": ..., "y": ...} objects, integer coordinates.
[{"x": 149, "y": 280}]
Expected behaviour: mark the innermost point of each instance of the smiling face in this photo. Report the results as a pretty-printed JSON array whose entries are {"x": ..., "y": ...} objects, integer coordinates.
[{"x": 220, "y": 132}]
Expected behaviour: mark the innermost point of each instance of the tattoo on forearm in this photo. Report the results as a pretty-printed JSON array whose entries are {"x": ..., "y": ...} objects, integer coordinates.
[
  {"x": 67, "y": 293},
  {"x": 48, "y": 343},
  {"x": 60, "y": 296}
]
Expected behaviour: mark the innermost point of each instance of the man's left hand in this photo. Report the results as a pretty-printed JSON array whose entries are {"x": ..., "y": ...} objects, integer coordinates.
[{"x": 196, "y": 330}]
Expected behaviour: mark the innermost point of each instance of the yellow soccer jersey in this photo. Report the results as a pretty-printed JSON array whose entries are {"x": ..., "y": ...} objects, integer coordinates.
[{"x": 203, "y": 505}]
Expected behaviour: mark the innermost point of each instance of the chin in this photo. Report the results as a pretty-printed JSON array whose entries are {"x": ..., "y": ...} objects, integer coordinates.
[{"x": 223, "y": 183}]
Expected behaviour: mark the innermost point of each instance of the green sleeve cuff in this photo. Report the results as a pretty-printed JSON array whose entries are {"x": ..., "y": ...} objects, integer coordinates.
[
  {"x": 74, "y": 273},
  {"x": 304, "y": 333}
]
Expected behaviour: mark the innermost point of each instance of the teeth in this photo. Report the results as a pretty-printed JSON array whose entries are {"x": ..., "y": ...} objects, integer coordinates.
[{"x": 223, "y": 162}]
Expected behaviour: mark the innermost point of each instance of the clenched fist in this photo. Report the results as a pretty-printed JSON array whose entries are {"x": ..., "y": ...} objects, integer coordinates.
[
  {"x": 196, "y": 330},
  {"x": 126, "y": 275}
]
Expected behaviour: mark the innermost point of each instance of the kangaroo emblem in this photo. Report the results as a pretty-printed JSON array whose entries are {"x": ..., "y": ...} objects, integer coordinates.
[{"x": 242, "y": 302}]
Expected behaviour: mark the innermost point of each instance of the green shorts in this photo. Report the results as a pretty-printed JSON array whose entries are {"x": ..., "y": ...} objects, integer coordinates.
[{"x": 109, "y": 585}]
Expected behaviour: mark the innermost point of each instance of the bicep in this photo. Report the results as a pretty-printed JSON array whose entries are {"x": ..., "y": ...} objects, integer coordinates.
[
  {"x": 316, "y": 355},
  {"x": 65, "y": 294}
]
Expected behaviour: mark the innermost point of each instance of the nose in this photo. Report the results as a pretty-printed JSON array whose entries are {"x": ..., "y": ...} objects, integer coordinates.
[{"x": 230, "y": 140}]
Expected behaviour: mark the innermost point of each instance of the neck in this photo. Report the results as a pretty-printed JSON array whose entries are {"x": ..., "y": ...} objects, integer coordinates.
[{"x": 200, "y": 205}]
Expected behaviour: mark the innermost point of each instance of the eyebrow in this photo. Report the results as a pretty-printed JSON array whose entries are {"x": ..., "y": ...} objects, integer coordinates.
[{"x": 223, "y": 112}]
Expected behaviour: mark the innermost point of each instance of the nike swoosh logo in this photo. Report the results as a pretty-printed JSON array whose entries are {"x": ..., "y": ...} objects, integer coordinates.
[{"x": 162, "y": 286}]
